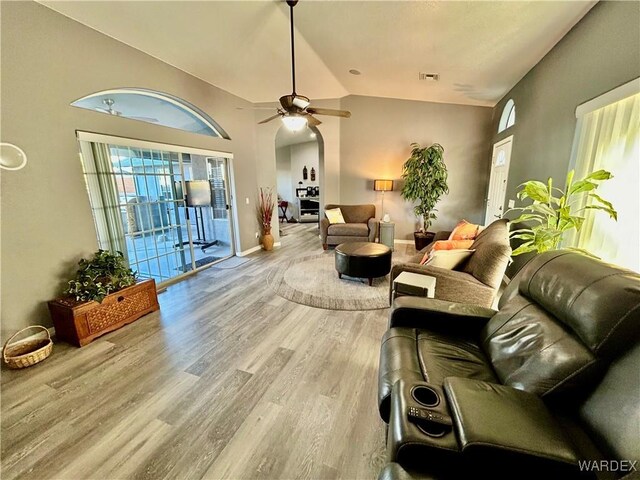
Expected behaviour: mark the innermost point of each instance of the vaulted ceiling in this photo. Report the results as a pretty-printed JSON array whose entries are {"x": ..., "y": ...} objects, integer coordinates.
[{"x": 479, "y": 49}]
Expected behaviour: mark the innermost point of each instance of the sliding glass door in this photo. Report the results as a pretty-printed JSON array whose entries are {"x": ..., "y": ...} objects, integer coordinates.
[{"x": 167, "y": 211}]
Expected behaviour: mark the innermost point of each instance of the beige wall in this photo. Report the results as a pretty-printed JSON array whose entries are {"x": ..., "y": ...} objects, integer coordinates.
[
  {"x": 375, "y": 143},
  {"x": 48, "y": 61}
]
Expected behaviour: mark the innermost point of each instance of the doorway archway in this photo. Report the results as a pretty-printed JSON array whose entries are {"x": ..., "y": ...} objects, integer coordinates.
[{"x": 300, "y": 176}]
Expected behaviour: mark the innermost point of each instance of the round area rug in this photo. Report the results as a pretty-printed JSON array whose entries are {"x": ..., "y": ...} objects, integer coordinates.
[{"x": 313, "y": 280}]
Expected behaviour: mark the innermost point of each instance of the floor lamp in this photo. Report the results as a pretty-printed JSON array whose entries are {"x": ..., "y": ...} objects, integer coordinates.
[{"x": 383, "y": 186}]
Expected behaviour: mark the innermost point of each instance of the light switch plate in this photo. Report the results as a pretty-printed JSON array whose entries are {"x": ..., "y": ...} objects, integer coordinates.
[
  {"x": 246, "y": 200},
  {"x": 511, "y": 204}
]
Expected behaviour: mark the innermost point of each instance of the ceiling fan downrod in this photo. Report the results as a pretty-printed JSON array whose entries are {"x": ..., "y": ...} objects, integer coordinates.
[{"x": 292, "y": 3}]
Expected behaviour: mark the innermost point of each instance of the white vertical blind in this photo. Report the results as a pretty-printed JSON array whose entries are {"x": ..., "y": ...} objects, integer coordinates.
[{"x": 609, "y": 139}]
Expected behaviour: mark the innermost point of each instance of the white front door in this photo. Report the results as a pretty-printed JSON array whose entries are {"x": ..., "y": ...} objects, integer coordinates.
[{"x": 498, "y": 181}]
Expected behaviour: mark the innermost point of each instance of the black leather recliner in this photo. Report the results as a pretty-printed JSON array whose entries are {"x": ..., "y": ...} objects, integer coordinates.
[{"x": 550, "y": 380}]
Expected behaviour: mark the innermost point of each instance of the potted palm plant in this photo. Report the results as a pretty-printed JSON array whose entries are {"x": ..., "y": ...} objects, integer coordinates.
[
  {"x": 425, "y": 181},
  {"x": 553, "y": 212},
  {"x": 104, "y": 295}
]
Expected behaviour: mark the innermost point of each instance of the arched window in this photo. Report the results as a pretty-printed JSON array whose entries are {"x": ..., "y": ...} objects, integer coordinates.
[
  {"x": 152, "y": 107},
  {"x": 508, "y": 117}
]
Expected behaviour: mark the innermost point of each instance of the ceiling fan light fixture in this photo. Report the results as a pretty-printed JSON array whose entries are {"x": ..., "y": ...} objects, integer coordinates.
[{"x": 294, "y": 122}]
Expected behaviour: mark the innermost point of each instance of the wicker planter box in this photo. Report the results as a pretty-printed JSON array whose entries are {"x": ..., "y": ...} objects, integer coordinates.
[{"x": 79, "y": 323}]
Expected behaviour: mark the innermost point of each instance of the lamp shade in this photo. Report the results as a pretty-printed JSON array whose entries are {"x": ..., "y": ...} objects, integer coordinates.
[{"x": 383, "y": 185}]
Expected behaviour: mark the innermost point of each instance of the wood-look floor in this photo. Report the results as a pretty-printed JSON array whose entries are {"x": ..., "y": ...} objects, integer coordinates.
[{"x": 228, "y": 380}]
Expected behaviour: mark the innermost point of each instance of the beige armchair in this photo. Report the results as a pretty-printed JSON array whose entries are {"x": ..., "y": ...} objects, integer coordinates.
[{"x": 361, "y": 225}]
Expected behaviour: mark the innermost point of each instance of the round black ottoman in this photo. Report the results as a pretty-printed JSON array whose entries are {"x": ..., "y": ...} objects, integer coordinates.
[{"x": 363, "y": 260}]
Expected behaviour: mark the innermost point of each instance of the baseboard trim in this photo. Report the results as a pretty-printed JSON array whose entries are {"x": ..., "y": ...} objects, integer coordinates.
[
  {"x": 249, "y": 251},
  {"x": 506, "y": 279},
  {"x": 403, "y": 242},
  {"x": 277, "y": 244}
]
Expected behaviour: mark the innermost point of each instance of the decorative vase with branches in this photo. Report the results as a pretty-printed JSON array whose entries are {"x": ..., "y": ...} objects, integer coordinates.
[
  {"x": 425, "y": 180},
  {"x": 266, "y": 204},
  {"x": 552, "y": 212}
]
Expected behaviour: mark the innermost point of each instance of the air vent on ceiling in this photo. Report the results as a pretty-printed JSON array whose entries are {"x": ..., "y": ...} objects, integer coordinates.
[{"x": 431, "y": 77}]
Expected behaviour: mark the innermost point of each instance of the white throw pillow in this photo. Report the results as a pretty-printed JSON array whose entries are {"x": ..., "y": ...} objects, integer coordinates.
[
  {"x": 448, "y": 259},
  {"x": 334, "y": 215}
]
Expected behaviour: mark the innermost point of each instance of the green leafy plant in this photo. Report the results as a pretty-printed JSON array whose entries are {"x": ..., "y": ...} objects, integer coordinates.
[
  {"x": 551, "y": 213},
  {"x": 105, "y": 273},
  {"x": 425, "y": 180}
]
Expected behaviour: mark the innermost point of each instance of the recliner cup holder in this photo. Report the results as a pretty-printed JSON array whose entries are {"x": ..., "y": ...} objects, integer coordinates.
[
  {"x": 433, "y": 429},
  {"x": 425, "y": 396}
]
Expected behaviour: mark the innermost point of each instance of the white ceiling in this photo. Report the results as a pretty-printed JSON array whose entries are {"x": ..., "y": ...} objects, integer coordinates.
[{"x": 479, "y": 49}]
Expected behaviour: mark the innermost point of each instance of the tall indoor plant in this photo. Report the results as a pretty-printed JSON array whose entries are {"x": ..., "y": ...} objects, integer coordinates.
[
  {"x": 553, "y": 211},
  {"x": 266, "y": 204},
  {"x": 425, "y": 180}
]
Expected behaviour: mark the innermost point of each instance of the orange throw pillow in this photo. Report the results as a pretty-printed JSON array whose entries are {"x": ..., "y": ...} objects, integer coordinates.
[
  {"x": 452, "y": 244},
  {"x": 465, "y": 231},
  {"x": 446, "y": 245}
]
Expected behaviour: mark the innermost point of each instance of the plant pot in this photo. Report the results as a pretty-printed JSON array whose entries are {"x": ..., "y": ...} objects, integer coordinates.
[
  {"x": 267, "y": 241},
  {"x": 422, "y": 239},
  {"x": 79, "y": 323}
]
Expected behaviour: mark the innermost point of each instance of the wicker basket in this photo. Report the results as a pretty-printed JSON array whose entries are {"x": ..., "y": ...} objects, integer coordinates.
[{"x": 27, "y": 352}]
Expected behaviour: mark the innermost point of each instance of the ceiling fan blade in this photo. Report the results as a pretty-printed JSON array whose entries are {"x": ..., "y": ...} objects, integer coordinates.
[
  {"x": 329, "y": 111},
  {"x": 109, "y": 111},
  {"x": 312, "y": 121},
  {"x": 269, "y": 119},
  {"x": 143, "y": 119}
]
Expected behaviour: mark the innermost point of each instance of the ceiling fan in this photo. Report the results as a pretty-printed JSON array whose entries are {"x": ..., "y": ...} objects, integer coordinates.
[
  {"x": 297, "y": 111},
  {"x": 109, "y": 102}
]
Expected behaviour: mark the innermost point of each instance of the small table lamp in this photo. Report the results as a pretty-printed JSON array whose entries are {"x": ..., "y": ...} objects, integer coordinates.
[{"x": 383, "y": 186}]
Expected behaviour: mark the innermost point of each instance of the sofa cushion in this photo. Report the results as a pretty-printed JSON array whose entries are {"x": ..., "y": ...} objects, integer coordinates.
[
  {"x": 349, "y": 229},
  {"x": 465, "y": 231},
  {"x": 334, "y": 216},
  {"x": 492, "y": 254},
  {"x": 444, "y": 245},
  {"x": 449, "y": 259},
  {"x": 436, "y": 357},
  {"x": 530, "y": 350},
  {"x": 441, "y": 356},
  {"x": 613, "y": 410},
  {"x": 579, "y": 298},
  {"x": 452, "y": 244}
]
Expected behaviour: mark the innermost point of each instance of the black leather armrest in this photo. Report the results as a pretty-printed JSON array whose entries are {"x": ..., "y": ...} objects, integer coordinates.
[
  {"x": 500, "y": 425},
  {"x": 394, "y": 471},
  {"x": 438, "y": 315}
]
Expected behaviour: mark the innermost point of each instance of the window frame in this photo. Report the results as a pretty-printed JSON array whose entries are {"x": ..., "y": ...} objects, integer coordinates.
[{"x": 165, "y": 97}]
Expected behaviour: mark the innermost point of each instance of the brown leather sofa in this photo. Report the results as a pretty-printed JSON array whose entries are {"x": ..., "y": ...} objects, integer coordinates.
[
  {"x": 360, "y": 225},
  {"x": 477, "y": 280},
  {"x": 542, "y": 388}
]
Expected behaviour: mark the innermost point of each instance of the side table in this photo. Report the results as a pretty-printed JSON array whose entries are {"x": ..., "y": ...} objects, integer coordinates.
[
  {"x": 387, "y": 233},
  {"x": 408, "y": 283}
]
